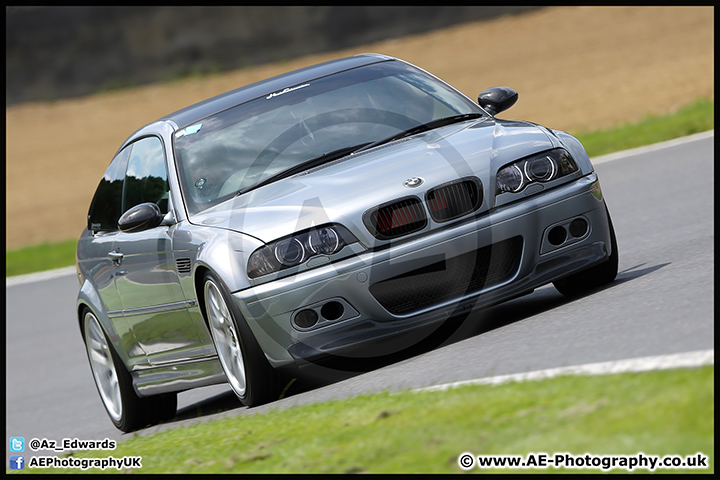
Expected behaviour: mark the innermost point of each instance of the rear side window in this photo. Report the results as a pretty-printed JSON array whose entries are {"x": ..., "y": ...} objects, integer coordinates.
[
  {"x": 146, "y": 178},
  {"x": 106, "y": 206}
]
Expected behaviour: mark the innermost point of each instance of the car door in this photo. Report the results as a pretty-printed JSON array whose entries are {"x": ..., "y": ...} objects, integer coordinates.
[
  {"x": 96, "y": 254},
  {"x": 146, "y": 276}
]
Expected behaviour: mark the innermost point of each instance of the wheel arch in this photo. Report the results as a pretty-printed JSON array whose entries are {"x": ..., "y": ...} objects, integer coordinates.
[
  {"x": 229, "y": 270},
  {"x": 198, "y": 283},
  {"x": 88, "y": 299}
]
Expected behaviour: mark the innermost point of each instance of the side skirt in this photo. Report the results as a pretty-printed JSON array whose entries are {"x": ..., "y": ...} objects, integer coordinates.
[{"x": 178, "y": 377}]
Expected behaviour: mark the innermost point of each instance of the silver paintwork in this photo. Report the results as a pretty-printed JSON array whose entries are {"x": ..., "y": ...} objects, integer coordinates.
[
  {"x": 152, "y": 312},
  {"x": 178, "y": 377},
  {"x": 269, "y": 307}
]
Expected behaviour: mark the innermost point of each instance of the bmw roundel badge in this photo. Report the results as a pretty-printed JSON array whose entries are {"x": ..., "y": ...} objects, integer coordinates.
[{"x": 413, "y": 182}]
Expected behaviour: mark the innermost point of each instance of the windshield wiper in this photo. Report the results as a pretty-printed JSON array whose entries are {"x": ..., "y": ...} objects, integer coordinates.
[
  {"x": 307, "y": 165},
  {"x": 341, "y": 152},
  {"x": 424, "y": 127}
]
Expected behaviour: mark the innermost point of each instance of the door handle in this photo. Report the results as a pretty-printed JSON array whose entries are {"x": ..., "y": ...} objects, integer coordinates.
[{"x": 116, "y": 257}]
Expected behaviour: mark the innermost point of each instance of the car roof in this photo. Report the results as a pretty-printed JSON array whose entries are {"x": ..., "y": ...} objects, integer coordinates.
[{"x": 221, "y": 102}]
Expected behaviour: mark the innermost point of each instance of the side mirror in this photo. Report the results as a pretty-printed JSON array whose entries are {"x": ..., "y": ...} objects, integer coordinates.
[
  {"x": 140, "y": 217},
  {"x": 497, "y": 99}
]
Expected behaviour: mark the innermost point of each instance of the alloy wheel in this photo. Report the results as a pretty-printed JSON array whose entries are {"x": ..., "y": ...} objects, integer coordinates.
[
  {"x": 102, "y": 366},
  {"x": 226, "y": 338}
]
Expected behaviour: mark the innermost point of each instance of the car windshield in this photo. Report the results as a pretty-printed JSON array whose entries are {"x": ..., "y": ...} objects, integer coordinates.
[{"x": 254, "y": 142}]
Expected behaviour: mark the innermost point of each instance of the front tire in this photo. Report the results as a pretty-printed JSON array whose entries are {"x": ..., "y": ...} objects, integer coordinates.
[
  {"x": 247, "y": 370},
  {"x": 592, "y": 277},
  {"x": 126, "y": 409}
]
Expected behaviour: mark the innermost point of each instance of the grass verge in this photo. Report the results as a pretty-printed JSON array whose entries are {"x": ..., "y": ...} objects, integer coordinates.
[
  {"x": 37, "y": 258},
  {"x": 657, "y": 413},
  {"x": 696, "y": 117}
]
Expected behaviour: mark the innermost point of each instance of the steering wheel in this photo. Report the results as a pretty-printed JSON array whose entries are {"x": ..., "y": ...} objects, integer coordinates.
[{"x": 329, "y": 119}]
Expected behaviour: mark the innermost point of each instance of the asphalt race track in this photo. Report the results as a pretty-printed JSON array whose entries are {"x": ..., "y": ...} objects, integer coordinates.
[{"x": 661, "y": 201}]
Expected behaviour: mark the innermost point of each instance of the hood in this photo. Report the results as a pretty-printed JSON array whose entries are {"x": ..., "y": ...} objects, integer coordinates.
[{"x": 343, "y": 190}]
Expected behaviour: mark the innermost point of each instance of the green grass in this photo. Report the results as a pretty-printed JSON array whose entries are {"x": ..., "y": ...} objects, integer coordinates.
[
  {"x": 37, "y": 258},
  {"x": 696, "y": 117},
  {"x": 657, "y": 413},
  {"x": 699, "y": 116}
]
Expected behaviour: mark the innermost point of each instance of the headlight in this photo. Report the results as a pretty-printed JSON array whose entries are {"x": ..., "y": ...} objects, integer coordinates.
[
  {"x": 510, "y": 179},
  {"x": 543, "y": 167},
  {"x": 324, "y": 241},
  {"x": 291, "y": 251}
]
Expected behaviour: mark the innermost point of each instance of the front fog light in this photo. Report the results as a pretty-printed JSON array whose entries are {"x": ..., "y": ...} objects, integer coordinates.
[{"x": 306, "y": 318}]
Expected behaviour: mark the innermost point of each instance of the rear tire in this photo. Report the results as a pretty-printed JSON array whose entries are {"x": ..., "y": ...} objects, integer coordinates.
[
  {"x": 592, "y": 277},
  {"x": 247, "y": 370},
  {"x": 126, "y": 409}
]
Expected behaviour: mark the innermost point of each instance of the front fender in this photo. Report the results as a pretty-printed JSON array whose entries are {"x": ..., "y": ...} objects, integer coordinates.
[
  {"x": 226, "y": 252},
  {"x": 576, "y": 149}
]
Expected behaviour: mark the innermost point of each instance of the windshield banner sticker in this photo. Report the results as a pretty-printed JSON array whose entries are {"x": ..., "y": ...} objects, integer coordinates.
[{"x": 286, "y": 90}]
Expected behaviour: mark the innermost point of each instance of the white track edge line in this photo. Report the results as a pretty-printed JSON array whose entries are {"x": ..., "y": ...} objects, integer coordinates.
[
  {"x": 39, "y": 276},
  {"x": 644, "y": 364},
  {"x": 653, "y": 147}
]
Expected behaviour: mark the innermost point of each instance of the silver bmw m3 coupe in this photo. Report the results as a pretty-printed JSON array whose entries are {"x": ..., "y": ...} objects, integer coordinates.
[{"x": 344, "y": 210}]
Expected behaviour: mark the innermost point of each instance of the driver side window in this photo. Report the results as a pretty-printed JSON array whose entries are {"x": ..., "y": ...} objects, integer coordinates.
[
  {"x": 106, "y": 206},
  {"x": 146, "y": 177}
]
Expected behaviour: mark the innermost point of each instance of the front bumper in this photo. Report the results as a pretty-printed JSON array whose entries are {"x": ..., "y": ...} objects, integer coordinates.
[{"x": 367, "y": 328}]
